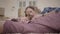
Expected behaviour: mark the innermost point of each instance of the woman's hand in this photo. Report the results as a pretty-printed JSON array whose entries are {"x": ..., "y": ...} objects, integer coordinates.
[{"x": 24, "y": 20}]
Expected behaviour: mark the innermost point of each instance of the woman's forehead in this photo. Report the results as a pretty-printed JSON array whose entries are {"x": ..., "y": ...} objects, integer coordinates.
[{"x": 29, "y": 9}]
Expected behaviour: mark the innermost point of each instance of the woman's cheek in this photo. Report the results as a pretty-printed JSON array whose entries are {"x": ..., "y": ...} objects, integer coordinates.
[{"x": 31, "y": 14}]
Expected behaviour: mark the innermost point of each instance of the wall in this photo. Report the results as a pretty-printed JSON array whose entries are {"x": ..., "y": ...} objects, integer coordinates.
[
  {"x": 48, "y": 3},
  {"x": 11, "y": 8}
]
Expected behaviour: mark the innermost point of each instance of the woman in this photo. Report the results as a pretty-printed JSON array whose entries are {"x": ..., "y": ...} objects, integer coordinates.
[
  {"x": 34, "y": 23},
  {"x": 31, "y": 12}
]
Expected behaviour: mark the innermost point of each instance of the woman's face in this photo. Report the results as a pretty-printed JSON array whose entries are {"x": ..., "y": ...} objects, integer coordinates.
[{"x": 30, "y": 12}]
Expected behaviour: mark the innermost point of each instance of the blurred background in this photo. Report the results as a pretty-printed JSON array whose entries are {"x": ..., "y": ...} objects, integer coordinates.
[{"x": 16, "y": 8}]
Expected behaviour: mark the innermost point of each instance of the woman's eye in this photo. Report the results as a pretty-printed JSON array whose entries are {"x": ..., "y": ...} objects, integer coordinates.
[{"x": 30, "y": 11}]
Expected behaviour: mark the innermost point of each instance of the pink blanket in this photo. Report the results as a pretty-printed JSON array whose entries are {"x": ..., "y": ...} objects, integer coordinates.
[{"x": 48, "y": 23}]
